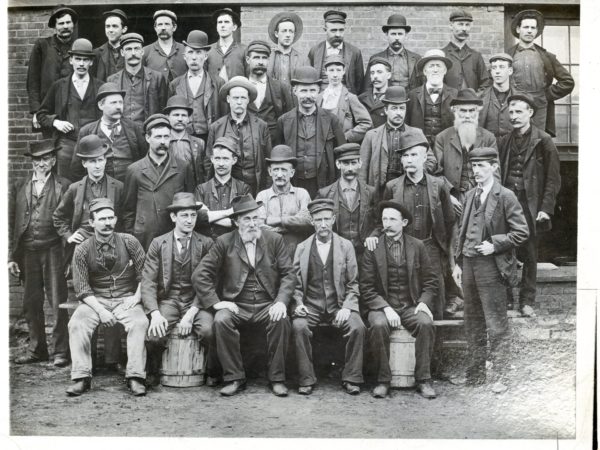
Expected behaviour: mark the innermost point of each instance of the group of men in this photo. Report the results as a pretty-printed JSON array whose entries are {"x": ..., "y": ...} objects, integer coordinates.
[{"x": 216, "y": 185}]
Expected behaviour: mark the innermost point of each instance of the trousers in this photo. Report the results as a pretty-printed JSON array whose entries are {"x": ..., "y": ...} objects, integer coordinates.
[
  {"x": 64, "y": 155},
  {"x": 528, "y": 254}
]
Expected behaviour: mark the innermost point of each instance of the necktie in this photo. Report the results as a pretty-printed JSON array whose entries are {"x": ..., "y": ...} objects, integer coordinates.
[
  {"x": 478, "y": 192},
  {"x": 109, "y": 257},
  {"x": 114, "y": 130},
  {"x": 433, "y": 91},
  {"x": 184, "y": 246},
  {"x": 251, "y": 252}
]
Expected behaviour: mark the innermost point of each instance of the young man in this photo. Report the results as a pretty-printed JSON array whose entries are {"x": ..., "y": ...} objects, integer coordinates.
[
  {"x": 380, "y": 72},
  {"x": 226, "y": 58},
  {"x": 109, "y": 59},
  {"x": 165, "y": 55},
  {"x": 285, "y": 29}
]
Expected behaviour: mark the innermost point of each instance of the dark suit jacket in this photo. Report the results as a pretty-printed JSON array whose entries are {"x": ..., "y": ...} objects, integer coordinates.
[
  {"x": 296, "y": 60},
  {"x": 354, "y": 64},
  {"x": 281, "y": 99},
  {"x": 222, "y": 273},
  {"x": 491, "y": 107},
  {"x": 422, "y": 280},
  {"x": 473, "y": 68},
  {"x": 375, "y": 108},
  {"x": 157, "y": 273},
  {"x": 506, "y": 225},
  {"x": 414, "y": 78},
  {"x": 101, "y": 64},
  {"x": 415, "y": 113}
]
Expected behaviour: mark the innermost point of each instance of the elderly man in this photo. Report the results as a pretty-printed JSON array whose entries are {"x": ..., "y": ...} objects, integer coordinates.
[
  {"x": 226, "y": 58},
  {"x": 165, "y": 55},
  {"x": 109, "y": 59},
  {"x": 535, "y": 69},
  {"x": 492, "y": 226},
  {"x": 258, "y": 292},
  {"x": 70, "y": 104},
  {"x": 145, "y": 88},
  {"x": 285, "y": 29},
  {"x": 107, "y": 270},
  {"x": 151, "y": 182},
  {"x": 531, "y": 169},
  {"x": 35, "y": 253},
  {"x": 380, "y": 72},
  {"x": 398, "y": 288},
  {"x": 468, "y": 68},
  {"x": 311, "y": 132},
  {"x": 327, "y": 293},
  {"x": 199, "y": 88},
  {"x": 49, "y": 59}
]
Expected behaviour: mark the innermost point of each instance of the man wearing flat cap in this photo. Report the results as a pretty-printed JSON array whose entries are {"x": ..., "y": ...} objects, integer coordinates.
[
  {"x": 109, "y": 59},
  {"x": 50, "y": 59},
  {"x": 492, "y": 226},
  {"x": 165, "y": 55},
  {"x": 379, "y": 72},
  {"x": 327, "y": 293},
  {"x": 145, "y": 88},
  {"x": 257, "y": 291},
  {"x": 200, "y": 88},
  {"x": 107, "y": 271},
  {"x": 70, "y": 104},
  {"x": 35, "y": 252},
  {"x": 531, "y": 169},
  {"x": 250, "y": 132},
  {"x": 398, "y": 288},
  {"x": 334, "y": 44},
  {"x": 536, "y": 71},
  {"x": 227, "y": 57},
  {"x": 151, "y": 182},
  {"x": 468, "y": 69},
  {"x": 285, "y": 29},
  {"x": 124, "y": 136},
  {"x": 402, "y": 61}
]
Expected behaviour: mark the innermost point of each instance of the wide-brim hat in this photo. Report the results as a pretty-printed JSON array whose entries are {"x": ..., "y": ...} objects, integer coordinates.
[
  {"x": 306, "y": 75},
  {"x": 524, "y": 98},
  {"x": 60, "y": 9},
  {"x": 483, "y": 154},
  {"x": 183, "y": 200},
  {"x": 349, "y": 150},
  {"x": 395, "y": 95},
  {"x": 286, "y": 17},
  {"x": 82, "y": 47},
  {"x": 282, "y": 153},
  {"x": 396, "y": 21},
  {"x": 431, "y": 55},
  {"x": 178, "y": 102},
  {"x": 527, "y": 14},
  {"x": 197, "y": 40},
  {"x": 92, "y": 146},
  {"x": 243, "y": 204},
  {"x": 118, "y": 13},
  {"x": 229, "y": 12},
  {"x": 466, "y": 96},
  {"x": 412, "y": 137},
  {"x": 398, "y": 207},
  {"x": 109, "y": 89},
  {"x": 40, "y": 148},
  {"x": 238, "y": 81}
]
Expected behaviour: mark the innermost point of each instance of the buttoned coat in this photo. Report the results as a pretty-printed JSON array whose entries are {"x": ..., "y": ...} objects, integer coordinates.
[
  {"x": 505, "y": 224},
  {"x": 491, "y": 106},
  {"x": 352, "y": 114},
  {"x": 353, "y": 59},
  {"x": 415, "y": 111},
  {"x": 281, "y": 99},
  {"x": 222, "y": 273},
  {"x": 296, "y": 60},
  {"x": 234, "y": 60},
  {"x": 476, "y": 75},
  {"x": 345, "y": 272},
  {"x": 102, "y": 62},
  {"x": 414, "y": 78},
  {"x": 154, "y": 58},
  {"x": 374, "y": 108},
  {"x": 157, "y": 275}
]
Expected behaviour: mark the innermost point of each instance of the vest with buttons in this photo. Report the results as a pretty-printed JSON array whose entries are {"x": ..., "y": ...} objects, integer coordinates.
[
  {"x": 398, "y": 289},
  {"x": 135, "y": 99},
  {"x": 181, "y": 274},
  {"x": 199, "y": 123},
  {"x": 320, "y": 291},
  {"x": 80, "y": 112},
  {"x": 40, "y": 232},
  {"x": 476, "y": 232},
  {"x": 348, "y": 221},
  {"x": 514, "y": 178},
  {"x": 467, "y": 178},
  {"x": 432, "y": 123},
  {"x": 253, "y": 291}
]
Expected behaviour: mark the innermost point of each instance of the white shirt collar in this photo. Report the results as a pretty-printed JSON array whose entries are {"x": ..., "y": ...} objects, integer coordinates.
[
  {"x": 485, "y": 190},
  {"x": 34, "y": 177},
  {"x": 328, "y": 46},
  {"x": 84, "y": 80}
]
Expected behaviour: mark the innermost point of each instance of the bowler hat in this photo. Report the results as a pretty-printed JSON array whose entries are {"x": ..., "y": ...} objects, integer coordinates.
[
  {"x": 483, "y": 154},
  {"x": 433, "y": 55},
  {"x": 282, "y": 153},
  {"x": 380, "y": 60},
  {"x": 396, "y": 21},
  {"x": 40, "y": 148},
  {"x": 92, "y": 146},
  {"x": 178, "y": 102},
  {"x": 244, "y": 203},
  {"x": 259, "y": 47},
  {"x": 118, "y": 13},
  {"x": 335, "y": 16},
  {"x": 60, "y": 10},
  {"x": 466, "y": 96},
  {"x": 227, "y": 11},
  {"x": 334, "y": 59},
  {"x": 398, "y": 207},
  {"x": 101, "y": 203},
  {"x": 82, "y": 47},
  {"x": 527, "y": 14},
  {"x": 347, "y": 151},
  {"x": 183, "y": 200},
  {"x": 524, "y": 98},
  {"x": 166, "y": 13},
  {"x": 320, "y": 204},
  {"x": 395, "y": 94},
  {"x": 412, "y": 137},
  {"x": 306, "y": 75},
  {"x": 229, "y": 143},
  {"x": 501, "y": 56},
  {"x": 238, "y": 81},
  {"x": 108, "y": 89},
  {"x": 462, "y": 15},
  {"x": 156, "y": 120},
  {"x": 198, "y": 40},
  {"x": 131, "y": 37},
  {"x": 286, "y": 16}
]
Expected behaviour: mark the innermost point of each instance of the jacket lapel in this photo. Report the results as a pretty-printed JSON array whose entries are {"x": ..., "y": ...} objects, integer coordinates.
[
  {"x": 490, "y": 206},
  {"x": 166, "y": 249},
  {"x": 338, "y": 263},
  {"x": 420, "y": 94},
  {"x": 78, "y": 200},
  {"x": 241, "y": 250},
  {"x": 196, "y": 250},
  {"x": 323, "y": 122},
  {"x": 208, "y": 89},
  {"x": 382, "y": 267},
  {"x": 169, "y": 171},
  {"x": 304, "y": 261},
  {"x": 410, "y": 251},
  {"x": 364, "y": 205},
  {"x": 533, "y": 142}
]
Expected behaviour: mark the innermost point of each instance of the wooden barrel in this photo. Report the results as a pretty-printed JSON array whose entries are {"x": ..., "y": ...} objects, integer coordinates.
[
  {"x": 183, "y": 361},
  {"x": 402, "y": 358}
]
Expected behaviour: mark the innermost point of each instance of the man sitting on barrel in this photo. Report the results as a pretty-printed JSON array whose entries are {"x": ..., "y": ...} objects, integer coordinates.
[{"x": 398, "y": 288}]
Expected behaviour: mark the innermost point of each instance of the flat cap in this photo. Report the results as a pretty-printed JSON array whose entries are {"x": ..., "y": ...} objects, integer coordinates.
[
  {"x": 228, "y": 143},
  {"x": 165, "y": 13},
  {"x": 461, "y": 14},
  {"x": 334, "y": 59},
  {"x": 258, "y": 46},
  {"x": 321, "y": 204},
  {"x": 380, "y": 60},
  {"x": 61, "y": 10},
  {"x": 40, "y": 148},
  {"x": 101, "y": 203},
  {"x": 335, "y": 16},
  {"x": 156, "y": 120},
  {"x": 524, "y": 98},
  {"x": 398, "y": 207},
  {"x": 131, "y": 37},
  {"x": 346, "y": 151},
  {"x": 483, "y": 154},
  {"x": 501, "y": 56},
  {"x": 118, "y": 13}
]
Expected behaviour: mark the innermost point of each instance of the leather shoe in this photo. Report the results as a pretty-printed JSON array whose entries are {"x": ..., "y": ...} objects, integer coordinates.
[
  {"x": 212, "y": 381},
  {"x": 350, "y": 388},
  {"x": 305, "y": 390},
  {"x": 79, "y": 386},
  {"x": 61, "y": 361},
  {"x": 425, "y": 389},
  {"x": 233, "y": 388},
  {"x": 528, "y": 311},
  {"x": 136, "y": 386},
  {"x": 279, "y": 389},
  {"x": 381, "y": 390},
  {"x": 29, "y": 359}
]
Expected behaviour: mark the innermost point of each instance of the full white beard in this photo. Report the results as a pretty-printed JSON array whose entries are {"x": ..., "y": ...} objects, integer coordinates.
[
  {"x": 250, "y": 235},
  {"x": 467, "y": 132}
]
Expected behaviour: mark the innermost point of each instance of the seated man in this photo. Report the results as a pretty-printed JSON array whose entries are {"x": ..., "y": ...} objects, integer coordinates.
[
  {"x": 327, "y": 292},
  {"x": 107, "y": 269},
  {"x": 398, "y": 287}
]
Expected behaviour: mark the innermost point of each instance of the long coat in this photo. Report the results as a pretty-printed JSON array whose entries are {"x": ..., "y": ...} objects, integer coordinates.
[
  {"x": 473, "y": 69},
  {"x": 157, "y": 273},
  {"x": 352, "y": 114},
  {"x": 506, "y": 225},
  {"x": 345, "y": 272},
  {"x": 374, "y": 108},
  {"x": 354, "y": 64},
  {"x": 415, "y": 111},
  {"x": 281, "y": 99},
  {"x": 102, "y": 62},
  {"x": 414, "y": 78}
]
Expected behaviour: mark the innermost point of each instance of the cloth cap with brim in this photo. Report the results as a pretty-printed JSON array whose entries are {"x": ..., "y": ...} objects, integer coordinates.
[
  {"x": 59, "y": 11},
  {"x": 466, "y": 97},
  {"x": 306, "y": 75},
  {"x": 156, "y": 120},
  {"x": 258, "y": 46},
  {"x": 461, "y": 15},
  {"x": 380, "y": 60},
  {"x": 398, "y": 207},
  {"x": 433, "y": 55},
  {"x": 396, "y": 21},
  {"x": 178, "y": 102},
  {"x": 335, "y": 16},
  {"x": 320, "y": 204},
  {"x": 347, "y": 151},
  {"x": 198, "y": 40},
  {"x": 286, "y": 17},
  {"x": 229, "y": 12},
  {"x": 165, "y": 13},
  {"x": 109, "y": 89},
  {"x": 528, "y": 14},
  {"x": 40, "y": 148},
  {"x": 501, "y": 57},
  {"x": 131, "y": 37},
  {"x": 101, "y": 203},
  {"x": 238, "y": 81},
  {"x": 334, "y": 59},
  {"x": 116, "y": 13},
  {"x": 91, "y": 146},
  {"x": 183, "y": 200},
  {"x": 243, "y": 204},
  {"x": 483, "y": 154},
  {"x": 524, "y": 98},
  {"x": 412, "y": 137},
  {"x": 282, "y": 153},
  {"x": 228, "y": 143},
  {"x": 395, "y": 95},
  {"x": 82, "y": 47}
]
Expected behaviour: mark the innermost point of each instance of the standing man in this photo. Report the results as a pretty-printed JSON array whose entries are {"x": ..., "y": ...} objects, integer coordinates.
[
  {"x": 285, "y": 29},
  {"x": 109, "y": 59},
  {"x": 49, "y": 59},
  {"x": 226, "y": 58},
  {"x": 468, "y": 69},
  {"x": 492, "y": 226},
  {"x": 311, "y": 132},
  {"x": 165, "y": 55},
  {"x": 327, "y": 293},
  {"x": 398, "y": 288},
  {"x": 380, "y": 72},
  {"x": 334, "y": 44},
  {"x": 36, "y": 253},
  {"x": 107, "y": 270},
  {"x": 259, "y": 294},
  {"x": 151, "y": 182},
  {"x": 535, "y": 69},
  {"x": 531, "y": 169}
]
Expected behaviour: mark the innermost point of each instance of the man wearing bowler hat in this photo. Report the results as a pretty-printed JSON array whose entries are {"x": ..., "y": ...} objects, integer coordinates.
[
  {"x": 250, "y": 132},
  {"x": 70, "y": 104},
  {"x": 227, "y": 57},
  {"x": 285, "y": 29},
  {"x": 327, "y": 293},
  {"x": 199, "y": 87},
  {"x": 257, "y": 290},
  {"x": 108, "y": 56},
  {"x": 468, "y": 69},
  {"x": 35, "y": 253},
  {"x": 165, "y": 55},
  {"x": 398, "y": 288},
  {"x": 379, "y": 72},
  {"x": 49, "y": 59}
]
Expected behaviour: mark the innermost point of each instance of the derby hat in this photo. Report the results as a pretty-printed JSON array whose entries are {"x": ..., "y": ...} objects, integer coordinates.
[
  {"x": 183, "y": 200},
  {"x": 380, "y": 60},
  {"x": 395, "y": 94},
  {"x": 243, "y": 204},
  {"x": 131, "y": 37},
  {"x": 259, "y": 47},
  {"x": 306, "y": 75},
  {"x": 101, "y": 203},
  {"x": 320, "y": 204},
  {"x": 229, "y": 143},
  {"x": 462, "y": 15},
  {"x": 398, "y": 207},
  {"x": 347, "y": 151},
  {"x": 396, "y": 21},
  {"x": 432, "y": 55},
  {"x": 91, "y": 146},
  {"x": 198, "y": 40},
  {"x": 238, "y": 81},
  {"x": 335, "y": 16},
  {"x": 466, "y": 96},
  {"x": 412, "y": 137},
  {"x": 501, "y": 57},
  {"x": 165, "y": 13},
  {"x": 40, "y": 148},
  {"x": 60, "y": 10},
  {"x": 483, "y": 154},
  {"x": 108, "y": 89},
  {"x": 118, "y": 13},
  {"x": 527, "y": 14},
  {"x": 286, "y": 17},
  {"x": 282, "y": 153},
  {"x": 156, "y": 120},
  {"x": 524, "y": 98},
  {"x": 334, "y": 59},
  {"x": 82, "y": 47},
  {"x": 178, "y": 102},
  {"x": 229, "y": 12}
]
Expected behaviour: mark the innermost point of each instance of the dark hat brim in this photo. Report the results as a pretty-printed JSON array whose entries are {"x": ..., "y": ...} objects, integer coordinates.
[
  {"x": 459, "y": 101},
  {"x": 522, "y": 98},
  {"x": 115, "y": 13},
  {"x": 293, "y": 17},
  {"x": 247, "y": 209},
  {"x": 174, "y": 208},
  {"x": 101, "y": 95},
  {"x": 292, "y": 160},
  {"x": 421, "y": 63},
  {"x": 197, "y": 46},
  {"x": 394, "y": 102},
  {"x": 517, "y": 20},
  {"x": 305, "y": 81},
  {"x": 168, "y": 109},
  {"x": 81, "y": 53},
  {"x": 224, "y": 91},
  {"x": 222, "y": 12},
  {"x": 385, "y": 28},
  {"x": 398, "y": 207},
  {"x": 66, "y": 9},
  {"x": 348, "y": 156},
  {"x": 102, "y": 150},
  {"x": 40, "y": 153}
]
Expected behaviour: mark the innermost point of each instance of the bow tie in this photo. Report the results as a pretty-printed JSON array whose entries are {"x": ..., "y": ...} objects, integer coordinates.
[{"x": 432, "y": 91}]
